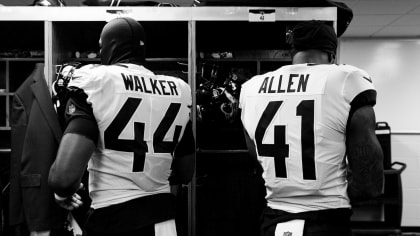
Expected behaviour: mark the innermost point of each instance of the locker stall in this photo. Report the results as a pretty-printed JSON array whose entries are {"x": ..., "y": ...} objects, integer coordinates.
[{"x": 214, "y": 49}]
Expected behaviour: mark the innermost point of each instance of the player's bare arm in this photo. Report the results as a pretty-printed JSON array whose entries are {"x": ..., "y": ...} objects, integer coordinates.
[
  {"x": 76, "y": 146},
  {"x": 183, "y": 165},
  {"x": 72, "y": 158},
  {"x": 364, "y": 155},
  {"x": 250, "y": 145}
]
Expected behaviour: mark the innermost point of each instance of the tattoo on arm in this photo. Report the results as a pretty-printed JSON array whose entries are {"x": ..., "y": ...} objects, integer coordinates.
[
  {"x": 366, "y": 174},
  {"x": 365, "y": 156}
]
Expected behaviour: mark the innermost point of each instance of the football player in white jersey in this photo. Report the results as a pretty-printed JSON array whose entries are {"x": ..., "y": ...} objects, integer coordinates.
[
  {"x": 131, "y": 128},
  {"x": 308, "y": 124}
]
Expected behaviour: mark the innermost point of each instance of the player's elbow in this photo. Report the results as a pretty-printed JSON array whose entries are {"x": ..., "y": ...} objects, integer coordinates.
[
  {"x": 366, "y": 178},
  {"x": 183, "y": 170},
  {"x": 367, "y": 187},
  {"x": 378, "y": 189},
  {"x": 375, "y": 189},
  {"x": 177, "y": 179},
  {"x": 359, "y": 194},
  {"x": 181, "y": 177},
  {"x": 60, "y": 183}
]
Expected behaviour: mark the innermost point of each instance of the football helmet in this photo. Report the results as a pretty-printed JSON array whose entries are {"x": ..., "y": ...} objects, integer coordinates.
[{"x": 64, "y": 73}]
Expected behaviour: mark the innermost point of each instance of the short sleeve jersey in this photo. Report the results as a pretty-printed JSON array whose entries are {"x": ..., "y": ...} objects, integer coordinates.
[
  {"x": 296, "y": 117},
  {"x": 141, "y": 117}
]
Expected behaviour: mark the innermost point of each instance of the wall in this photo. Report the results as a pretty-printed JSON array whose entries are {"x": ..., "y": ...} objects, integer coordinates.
[{"x": 394, "y": 65}]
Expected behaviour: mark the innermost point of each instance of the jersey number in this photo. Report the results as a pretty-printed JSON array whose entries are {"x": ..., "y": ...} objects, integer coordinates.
[
  {"x": 279, "y": 149},
  {"x": 138, "y": 146}
]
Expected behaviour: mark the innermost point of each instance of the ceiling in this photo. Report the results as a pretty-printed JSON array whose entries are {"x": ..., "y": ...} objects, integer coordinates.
[
  {"x": 384, "y": 18},
  {"x": 372, "y": 18}
]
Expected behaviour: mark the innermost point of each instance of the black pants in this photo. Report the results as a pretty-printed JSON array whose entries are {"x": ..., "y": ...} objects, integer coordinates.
[
  {"x": 136, "y": 217},
  {"x": 332, "y": 222},
  {"x": 144, "y": 231}
]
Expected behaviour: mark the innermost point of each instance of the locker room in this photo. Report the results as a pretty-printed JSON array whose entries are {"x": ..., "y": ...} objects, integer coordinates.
[{"x": 214, "y": 47}]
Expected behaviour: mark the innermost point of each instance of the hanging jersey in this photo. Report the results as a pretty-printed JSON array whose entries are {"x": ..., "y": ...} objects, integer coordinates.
[
  {"x": 296, "y": 117},
  {"x": 141, "y": 117}
]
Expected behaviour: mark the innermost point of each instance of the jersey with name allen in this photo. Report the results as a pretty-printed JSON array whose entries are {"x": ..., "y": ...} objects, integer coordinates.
[{"x": 294, "y": 83}]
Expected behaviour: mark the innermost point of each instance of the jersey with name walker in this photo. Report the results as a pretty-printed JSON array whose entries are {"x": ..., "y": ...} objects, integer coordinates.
[
  {"x": 296, "y": 117},
  {"x": 141, "y": 117}
]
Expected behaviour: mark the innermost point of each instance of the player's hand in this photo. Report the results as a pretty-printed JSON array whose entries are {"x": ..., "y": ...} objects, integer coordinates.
[{"x": 71, "y": 202}]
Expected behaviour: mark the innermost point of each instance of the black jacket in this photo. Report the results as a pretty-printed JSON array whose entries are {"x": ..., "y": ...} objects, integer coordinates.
[{"x": 35, "y": 137}]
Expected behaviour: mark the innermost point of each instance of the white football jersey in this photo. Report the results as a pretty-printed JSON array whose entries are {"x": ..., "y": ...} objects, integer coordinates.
[
  {"x": 140, "y": 116},
  {"x": 296, "y": 116}
]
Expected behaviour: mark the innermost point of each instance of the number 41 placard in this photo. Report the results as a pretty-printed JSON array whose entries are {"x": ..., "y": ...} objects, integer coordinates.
[{"x": 262, "y": 15}]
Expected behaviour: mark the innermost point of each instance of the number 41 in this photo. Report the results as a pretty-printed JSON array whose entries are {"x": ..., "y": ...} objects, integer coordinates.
[{"x": 279, "y": 149}]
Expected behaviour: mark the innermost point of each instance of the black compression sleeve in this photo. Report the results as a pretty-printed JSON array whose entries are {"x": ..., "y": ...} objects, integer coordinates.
[
  {"x": 79, "y": 116},
  {"x": 365, "y": 98}
]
